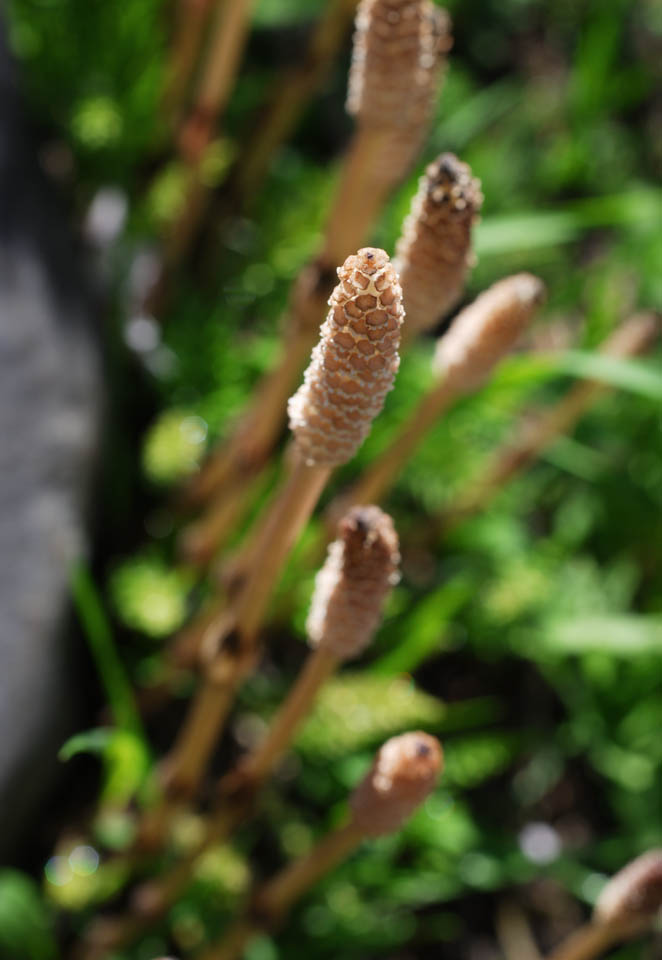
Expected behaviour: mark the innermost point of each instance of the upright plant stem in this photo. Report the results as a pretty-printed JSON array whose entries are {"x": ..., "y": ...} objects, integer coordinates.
[
  {"x": 594, "y": 939},
  {"x": 318, "y": 667},
  {"x": 226, "y": 44},
  {"x": 514, "y": 933},
  {"x": 273, "y": 900},
  {"x": 350, "y": 373},
  {"x": 238, "y": 792},
  {"x": 200, "y": 540},
  {"x": 233, "y": 465},
  {"x": 191, "y": 19},
  {"x": 351, "y": 589},
  {"x": 229, "y": 657},
  {"x": 277, "y": 896},
  {"x": 292, "y": 94},
  {"x": 404, "y": 772},
  {"x": 360, "y": 195}
]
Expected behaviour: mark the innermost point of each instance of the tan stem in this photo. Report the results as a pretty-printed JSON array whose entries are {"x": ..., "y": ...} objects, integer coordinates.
[
  {"x": 293, "y": 92},
  {"x": 319, "y": 666},
  {"x": 184, "y": 651},
  {"x": 231, "y": 651},
  {"x": 238, "y": 792},
  {"x": 187, "y": 761},
  {"x": 226, "y": 45},
  {"x": 224, "y": 50},
  {"x": 279, "y": 894},
  {"x": 275, "y": 898},
  {"x": 378, "y": 478},
  {"x": 593, "y": 939},
  {"x": 535, "y": 437},
  {"x": 360, "y": 196},
  {"x": 279, "y": 530},
  {"x": 514, "y": 933},
  {"x": 191, "y": 21}
]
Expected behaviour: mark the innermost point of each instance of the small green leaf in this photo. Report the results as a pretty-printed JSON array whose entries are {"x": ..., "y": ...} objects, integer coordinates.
[
  {"x": 125, "y": 758},
  {"x": 91, "y": 741},
  {"x": 617, "y": 372},
  {"x": 426, "y": 629},
  {"x": 102, "y": 647},
  {"x": 632, "y": 375}
]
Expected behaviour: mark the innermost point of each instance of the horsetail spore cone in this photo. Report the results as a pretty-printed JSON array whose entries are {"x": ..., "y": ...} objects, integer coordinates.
[
  {"x": 434, "y": 255},
  {"x": 486, "y": 330},
  {"x": 396, "y": 59},
  {"x": 635, "y": 892},
  {"x": 354, "y": 583},
  {"x": 354, "y": 364},
  {"x": 403, "y": 774},
  {"x": 627, "y": 907}
]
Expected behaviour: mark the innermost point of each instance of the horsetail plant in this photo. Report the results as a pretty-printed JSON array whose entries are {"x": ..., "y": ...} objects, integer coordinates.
[
  {"x": 627, "y": 907},
  {"x": 351, "y": 371},
  {"x": 480, "y": 336},
  {"x": 465, "y": 356},
  {"x": 402, "y": 776},
  {"x": 434, "y": 253},
  {"x": 433, "y": 257},
  {"x": 399, "y": 49},
  {"x": 350, "y": 591},
  {"x": 346, "y": 608}
]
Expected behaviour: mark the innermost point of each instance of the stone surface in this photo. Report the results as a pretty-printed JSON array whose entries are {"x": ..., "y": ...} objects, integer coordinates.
[{"x": 49, "y": 421}]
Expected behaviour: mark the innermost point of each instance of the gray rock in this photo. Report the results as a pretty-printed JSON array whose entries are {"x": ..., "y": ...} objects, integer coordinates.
[{"x": 50, "y": 400}]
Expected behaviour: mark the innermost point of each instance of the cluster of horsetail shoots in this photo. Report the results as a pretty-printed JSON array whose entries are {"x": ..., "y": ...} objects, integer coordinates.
[
  {"x": 351, "y": 370},
  {"x": 399, "y": 56},
  {"x": 399, "y": 53},
  {"x": 346, "y": 609}
]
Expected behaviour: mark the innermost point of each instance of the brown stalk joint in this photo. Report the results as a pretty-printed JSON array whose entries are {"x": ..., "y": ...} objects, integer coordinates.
[
  {"x": 261, "y": 916},
  {"x": 238, "y": 789}
]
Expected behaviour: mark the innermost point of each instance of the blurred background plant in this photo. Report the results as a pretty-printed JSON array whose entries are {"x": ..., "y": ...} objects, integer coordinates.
[{"x": 533, "y": 630}]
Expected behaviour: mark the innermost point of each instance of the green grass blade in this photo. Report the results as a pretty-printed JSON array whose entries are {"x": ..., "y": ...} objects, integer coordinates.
[
  {"x": 100, "y": 640},
  {"x": 548, "y": 228},
  {"x": 426, "y": 628}
]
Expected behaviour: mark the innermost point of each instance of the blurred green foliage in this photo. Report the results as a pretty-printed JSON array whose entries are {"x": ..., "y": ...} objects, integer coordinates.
[
  {"x": 26, "y": 926},
  {"x": 533, "y": 631}
]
